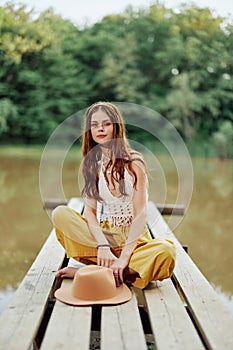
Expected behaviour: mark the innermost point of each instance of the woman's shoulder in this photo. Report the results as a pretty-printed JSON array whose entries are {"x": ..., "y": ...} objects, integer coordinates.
[
  {"x": 137, "y": 159},
  {"x": 135, "y": 155}
]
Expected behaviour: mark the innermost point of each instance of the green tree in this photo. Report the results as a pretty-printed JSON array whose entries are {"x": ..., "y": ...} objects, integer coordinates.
[
  {"x": 179, "y": 64},
  {"x": 223, "y": 140},
  {"x": 8, "y": 113},
  {"x": 41, "y": 76},
  {"x": 182, "y": 103},
  {"x": 20, "y": 34},
  {"x": 120, "y": 73}
]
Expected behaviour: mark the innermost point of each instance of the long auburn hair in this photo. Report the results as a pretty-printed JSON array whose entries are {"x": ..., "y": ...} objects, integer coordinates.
[{"x": 121, "y": 155}]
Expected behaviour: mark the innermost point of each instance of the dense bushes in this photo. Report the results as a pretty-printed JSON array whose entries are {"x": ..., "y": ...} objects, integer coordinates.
[{"x": 179, "y": 64}]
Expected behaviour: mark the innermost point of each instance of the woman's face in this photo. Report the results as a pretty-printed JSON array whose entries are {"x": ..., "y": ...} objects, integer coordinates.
[{"x": 101, "y": 127}]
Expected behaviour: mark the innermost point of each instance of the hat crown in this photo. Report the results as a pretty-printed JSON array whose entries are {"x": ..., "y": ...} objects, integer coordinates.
[{"x": 94, "y": 283}]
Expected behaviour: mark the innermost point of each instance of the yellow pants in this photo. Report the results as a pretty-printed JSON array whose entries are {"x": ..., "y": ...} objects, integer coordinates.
[{"x": 153, "y": 259}]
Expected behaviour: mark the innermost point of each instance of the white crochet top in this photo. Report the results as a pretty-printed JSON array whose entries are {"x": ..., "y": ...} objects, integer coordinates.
[{"x": 118, "y": 211}]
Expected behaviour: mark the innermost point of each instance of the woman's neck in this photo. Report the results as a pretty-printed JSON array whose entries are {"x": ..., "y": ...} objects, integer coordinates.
[{"x": 106, "y": 153}]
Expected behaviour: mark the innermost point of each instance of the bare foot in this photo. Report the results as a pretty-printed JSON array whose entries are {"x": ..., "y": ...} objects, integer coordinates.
[
  {"x": 130, "y": 275},
  {"x": 67, "y": 272}
]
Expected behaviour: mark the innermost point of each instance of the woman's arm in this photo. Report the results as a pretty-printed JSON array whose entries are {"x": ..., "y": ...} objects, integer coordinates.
[
  {"x": 139, "y": 221},
  {"x": 92, "y": 222},
  {"x": 104, "y": 257}
]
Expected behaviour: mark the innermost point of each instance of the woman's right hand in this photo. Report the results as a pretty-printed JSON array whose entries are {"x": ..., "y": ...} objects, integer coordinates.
[{"x": 105, "y": 257}]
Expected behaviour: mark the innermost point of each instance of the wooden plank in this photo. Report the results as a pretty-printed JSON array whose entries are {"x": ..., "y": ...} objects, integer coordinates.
[
  {"x": 54, "y": 202},
  {"x": 171, "y": 325},
  {"x": 170, "y": 209},
  {"x": 20, "y": 320},
  {"x": 69, "y": 328},
  {"x": 121, "y": 327},
  {"x": 212, "y": 317}
]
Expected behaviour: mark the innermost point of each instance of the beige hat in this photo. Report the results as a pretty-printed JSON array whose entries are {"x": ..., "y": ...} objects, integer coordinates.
[{"x": 91, "y": 285}]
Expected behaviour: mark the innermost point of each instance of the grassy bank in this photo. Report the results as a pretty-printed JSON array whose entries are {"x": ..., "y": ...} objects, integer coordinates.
[
  {"x": 23, "y": 151},
  {"x": 33, "y": 151},
  {"x": 201, "y": 149}
]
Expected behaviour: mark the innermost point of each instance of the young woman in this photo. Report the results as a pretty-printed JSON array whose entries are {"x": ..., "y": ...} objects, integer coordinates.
[{"x": 114, "y": 176}]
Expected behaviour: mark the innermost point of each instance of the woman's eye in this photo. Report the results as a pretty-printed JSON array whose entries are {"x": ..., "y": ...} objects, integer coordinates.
[
  {"x": 107, "y": 123},
  {"x": 104, "y": 124}
]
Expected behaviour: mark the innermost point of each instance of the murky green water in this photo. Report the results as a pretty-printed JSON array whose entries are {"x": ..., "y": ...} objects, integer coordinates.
[{"x": 206, "y": 227}]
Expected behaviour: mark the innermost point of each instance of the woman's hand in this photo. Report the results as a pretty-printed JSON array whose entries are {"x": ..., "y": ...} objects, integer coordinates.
[
  {"x": 105, "y": 257},
  {"x": 118, "y": 267}
]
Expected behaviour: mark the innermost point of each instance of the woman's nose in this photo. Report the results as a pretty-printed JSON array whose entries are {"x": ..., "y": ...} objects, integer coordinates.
[{"x": 100, "y": 126}]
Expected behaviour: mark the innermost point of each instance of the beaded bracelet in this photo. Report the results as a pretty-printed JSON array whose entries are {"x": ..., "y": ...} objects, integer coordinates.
[{"x": 103, "y": 245}]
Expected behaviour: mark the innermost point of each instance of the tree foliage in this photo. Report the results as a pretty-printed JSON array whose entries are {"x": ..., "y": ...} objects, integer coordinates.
[{"x": 179, "y": 64}]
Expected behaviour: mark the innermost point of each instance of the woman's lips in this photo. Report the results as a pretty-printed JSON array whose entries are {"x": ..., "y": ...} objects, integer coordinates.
[{"x": 101, "y": 136}]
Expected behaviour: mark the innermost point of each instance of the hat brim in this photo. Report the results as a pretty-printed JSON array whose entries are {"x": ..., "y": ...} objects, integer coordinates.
[{"x": 64, "y": 294}]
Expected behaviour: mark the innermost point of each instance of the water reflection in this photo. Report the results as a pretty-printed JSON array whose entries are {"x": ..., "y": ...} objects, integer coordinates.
[
  {"x": 5, "y": 191},
  {"x": 24, "y": 224},
  {"x": 206, "y": 227}
]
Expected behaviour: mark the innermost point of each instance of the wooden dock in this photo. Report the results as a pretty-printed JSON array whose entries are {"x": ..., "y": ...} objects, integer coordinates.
[{"x": 181, "y": 313}]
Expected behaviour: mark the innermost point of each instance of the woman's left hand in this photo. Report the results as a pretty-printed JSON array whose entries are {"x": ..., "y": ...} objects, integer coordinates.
[{"x": 118, "y": 267}]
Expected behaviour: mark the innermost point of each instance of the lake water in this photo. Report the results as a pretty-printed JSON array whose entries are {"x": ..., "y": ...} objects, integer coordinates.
[{"x": 206, "y": 228}]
